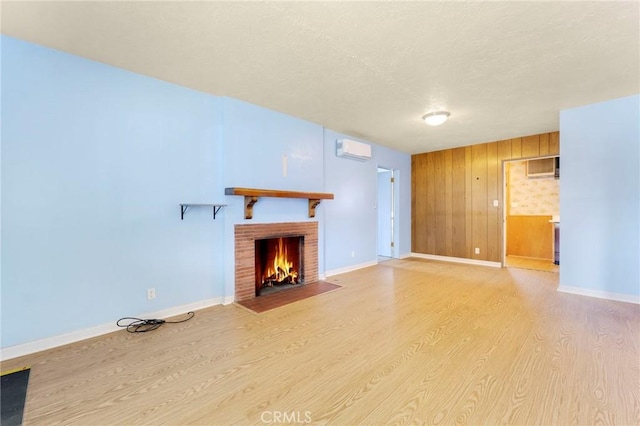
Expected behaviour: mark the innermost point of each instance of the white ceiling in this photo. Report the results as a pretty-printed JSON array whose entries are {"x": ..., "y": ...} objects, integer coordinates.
[{"x": 367, "y": 69}]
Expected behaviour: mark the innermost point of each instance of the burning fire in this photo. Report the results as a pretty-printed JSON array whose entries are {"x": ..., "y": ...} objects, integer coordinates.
[{"x": 281, "y": 272}]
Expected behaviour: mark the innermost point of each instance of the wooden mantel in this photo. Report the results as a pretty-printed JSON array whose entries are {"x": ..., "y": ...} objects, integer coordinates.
[{"x": 251, "y": 196}]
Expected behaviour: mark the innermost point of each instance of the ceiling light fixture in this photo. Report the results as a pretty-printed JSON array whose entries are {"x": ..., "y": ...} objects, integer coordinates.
[{"x": 436, "y": 118}]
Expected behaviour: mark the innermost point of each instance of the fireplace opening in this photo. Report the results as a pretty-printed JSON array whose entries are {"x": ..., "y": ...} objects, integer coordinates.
[{"x": 279, "y": 264}]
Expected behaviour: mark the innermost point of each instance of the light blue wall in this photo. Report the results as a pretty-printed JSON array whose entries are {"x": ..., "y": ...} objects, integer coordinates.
[
  {"x": 95, "y": 161},
  {"x": 352, "y": 218},
  {"x": 600, "y": 197},
  {"x": 255, "y": 141}
]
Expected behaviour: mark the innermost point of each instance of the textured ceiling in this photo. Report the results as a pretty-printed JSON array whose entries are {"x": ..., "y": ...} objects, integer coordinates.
[{"x": 367, "y": 69}]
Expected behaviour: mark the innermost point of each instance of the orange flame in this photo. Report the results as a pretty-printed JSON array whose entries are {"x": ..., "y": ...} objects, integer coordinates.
[{"x": 282, "y": 268}]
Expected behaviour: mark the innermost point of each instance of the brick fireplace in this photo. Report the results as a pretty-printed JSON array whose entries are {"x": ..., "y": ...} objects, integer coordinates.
[{"x": 245, "y": 237}]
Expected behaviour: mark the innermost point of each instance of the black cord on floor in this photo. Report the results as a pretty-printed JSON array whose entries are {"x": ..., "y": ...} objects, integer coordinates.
[{"x": 139, "y": 325}]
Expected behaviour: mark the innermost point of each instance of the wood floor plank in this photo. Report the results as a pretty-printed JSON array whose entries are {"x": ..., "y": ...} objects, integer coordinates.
[{"x": 407, "y": 341}]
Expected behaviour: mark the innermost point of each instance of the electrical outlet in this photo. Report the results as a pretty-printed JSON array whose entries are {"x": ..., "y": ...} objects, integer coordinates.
[
  {"x": 477, "y": 250},
  {"x": 495, "y": 203},
  {"x": 353, "y": 253},
  {"x": 151, "y": 293}
]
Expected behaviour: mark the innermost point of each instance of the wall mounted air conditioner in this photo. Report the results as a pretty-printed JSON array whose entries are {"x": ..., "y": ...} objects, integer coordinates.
[
  {"x": 543, "y": 167},
  {"x": 353, "y": 149}
]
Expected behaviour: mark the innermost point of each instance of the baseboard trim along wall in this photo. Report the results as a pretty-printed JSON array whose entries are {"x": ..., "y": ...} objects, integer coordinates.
[
  {"x": 350, "y": 268},
  {"x": 99, "y": 330},
  {"x": 628, "y": 298},
  {"x": 457, "y": 260}
]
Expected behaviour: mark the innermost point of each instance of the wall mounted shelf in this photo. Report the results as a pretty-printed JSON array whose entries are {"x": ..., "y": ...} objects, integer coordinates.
[
  {"x": 184, "y": 207},
  {"x": 251, "y": 196}
]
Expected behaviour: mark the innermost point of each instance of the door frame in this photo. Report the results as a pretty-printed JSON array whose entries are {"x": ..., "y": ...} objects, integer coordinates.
[
  {"x": 505, "y": 198},
  {"x": 393, "y": 213}
]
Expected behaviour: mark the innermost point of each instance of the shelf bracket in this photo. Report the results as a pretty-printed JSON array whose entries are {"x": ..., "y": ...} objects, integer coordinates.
[
  {"x": 248, "y": 206},
  {"x": 216, "y": 208},
  {"x": 313, "y": 203}
]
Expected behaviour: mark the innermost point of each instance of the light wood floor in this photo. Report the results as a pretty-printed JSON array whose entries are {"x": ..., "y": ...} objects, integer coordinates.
[
  {"x": 407, "y": 341},
  {"x": 529, "y": 263}
]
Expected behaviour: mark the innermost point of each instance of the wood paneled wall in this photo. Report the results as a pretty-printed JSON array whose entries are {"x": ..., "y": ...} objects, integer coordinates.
[{"x": 452, "y": 193}]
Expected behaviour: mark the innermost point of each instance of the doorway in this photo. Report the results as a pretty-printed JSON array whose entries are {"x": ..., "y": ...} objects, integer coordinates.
[
  {"x": 532, "y": 213},
  {"x": 386, "y": 206}
]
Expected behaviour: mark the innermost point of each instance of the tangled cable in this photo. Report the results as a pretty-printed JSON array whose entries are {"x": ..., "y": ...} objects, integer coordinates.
[{"x": 139, "y": 325}]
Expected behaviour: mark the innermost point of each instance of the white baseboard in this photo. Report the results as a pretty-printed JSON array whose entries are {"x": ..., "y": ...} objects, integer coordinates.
[
  {"x": 457, "y": 260},
  {"x": 87, "y": 333},
  {"x": 618, "y": 297},
  {"x": 350, "y": 268}
]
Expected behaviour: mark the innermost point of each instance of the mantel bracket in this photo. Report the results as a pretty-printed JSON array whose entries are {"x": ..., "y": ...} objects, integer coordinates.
[
  {"x": 248, "y": 206},
  {"x": 313, "y": 203}
]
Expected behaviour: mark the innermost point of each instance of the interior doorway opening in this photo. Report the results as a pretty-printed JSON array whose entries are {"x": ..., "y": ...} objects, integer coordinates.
[
  {"x": 386, "y": 208},
  {"x": 531, "y": 217}
]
